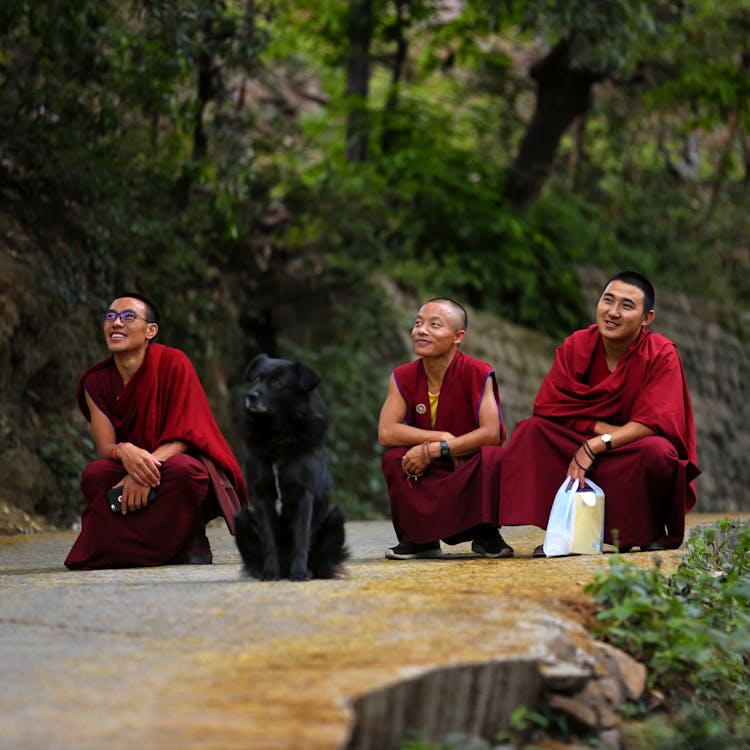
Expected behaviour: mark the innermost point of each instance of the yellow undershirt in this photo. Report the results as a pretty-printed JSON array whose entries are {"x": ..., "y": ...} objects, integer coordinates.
[{"x": 433, "y": 407}]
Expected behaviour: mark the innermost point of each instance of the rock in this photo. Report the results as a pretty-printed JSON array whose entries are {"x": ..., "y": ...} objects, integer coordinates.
[
  {"x": 581, "y": 711},
  {"x": 16, "y": 521},
  {"x": 631, "y": 673},
  {"x": 564, "y": 677},
  {"x": 610, "y": 739}
]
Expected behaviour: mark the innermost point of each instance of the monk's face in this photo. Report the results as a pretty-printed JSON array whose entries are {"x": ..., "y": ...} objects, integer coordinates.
[
  {"x": 436, "y": 332},
  {"x": 621, "y": 313},
  {"x": 128, "y": 336}
]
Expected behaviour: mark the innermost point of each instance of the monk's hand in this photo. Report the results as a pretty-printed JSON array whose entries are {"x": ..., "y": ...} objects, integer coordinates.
[
  {"x": 581, "y": 462},
  {"x": 416, "y": 459},
  {"x": 141, "y": 465},
  {"x": 134, "y": 494}
]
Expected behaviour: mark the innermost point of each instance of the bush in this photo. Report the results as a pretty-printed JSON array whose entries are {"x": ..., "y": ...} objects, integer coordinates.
[{"x": 692, "y": 630}]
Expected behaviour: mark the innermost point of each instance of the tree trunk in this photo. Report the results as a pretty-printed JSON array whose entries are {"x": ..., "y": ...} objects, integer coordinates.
[
  {"x": 206, "y": 92},
  {"x": 358, "y": 79},
  {"x": 399, "y": 61},
  {"x": 563, "y": 93},
  {"x": 578, "y": 153},
  {"x": 745, "y": 157}
]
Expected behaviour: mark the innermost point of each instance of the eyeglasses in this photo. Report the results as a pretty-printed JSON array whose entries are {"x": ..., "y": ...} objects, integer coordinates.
[{"x": 127, "y": 317}]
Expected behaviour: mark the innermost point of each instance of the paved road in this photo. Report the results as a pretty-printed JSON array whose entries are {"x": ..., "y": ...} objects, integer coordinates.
[{"x": 200, "y": 657}]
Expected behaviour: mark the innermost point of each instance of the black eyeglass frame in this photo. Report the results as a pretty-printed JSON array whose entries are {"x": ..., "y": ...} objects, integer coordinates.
[{"x": 110, "y": 316}]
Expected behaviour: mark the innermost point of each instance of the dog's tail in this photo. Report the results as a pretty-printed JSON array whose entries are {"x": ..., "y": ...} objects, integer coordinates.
[
  {"x": 328, "y": 550},
  {"x": 248, "y": 541}
]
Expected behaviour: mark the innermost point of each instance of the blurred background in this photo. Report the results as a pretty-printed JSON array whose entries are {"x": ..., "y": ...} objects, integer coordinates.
[{"x": 294, "y": 176}]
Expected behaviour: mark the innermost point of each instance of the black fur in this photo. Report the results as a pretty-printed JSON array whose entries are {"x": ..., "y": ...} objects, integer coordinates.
[{"x": 286, "y": 428}]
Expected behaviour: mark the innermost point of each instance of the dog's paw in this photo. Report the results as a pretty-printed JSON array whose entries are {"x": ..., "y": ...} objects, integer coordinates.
[
  {"x": 270, "y": 574},
  {"x": 300, "y": 574}
]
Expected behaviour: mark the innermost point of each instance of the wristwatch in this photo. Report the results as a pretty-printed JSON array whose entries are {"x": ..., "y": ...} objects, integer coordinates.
[
  {"x": 607, "y": 440},
  {"x": 445, "y": 451}
]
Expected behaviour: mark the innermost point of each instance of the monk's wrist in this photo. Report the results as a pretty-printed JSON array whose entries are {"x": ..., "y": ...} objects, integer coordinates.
[
  {"x": 432, "y": 450},
  {"x": 588, "y": 450}
]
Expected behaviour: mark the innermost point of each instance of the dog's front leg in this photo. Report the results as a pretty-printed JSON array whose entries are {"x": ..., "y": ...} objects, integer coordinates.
[
  {"x": 299, "y": 570},
  {"x": 271, "y": 570}
]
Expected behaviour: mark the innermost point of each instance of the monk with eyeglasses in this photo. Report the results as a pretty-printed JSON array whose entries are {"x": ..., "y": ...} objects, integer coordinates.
[{"x": 163, "y": 467}]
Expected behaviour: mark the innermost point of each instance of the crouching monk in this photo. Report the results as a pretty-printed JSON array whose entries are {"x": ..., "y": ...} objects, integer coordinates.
[
  {"x": 158, "y": 444},
  {"x": 614, "y": 407},
  {"x": 442, "y": 425}
]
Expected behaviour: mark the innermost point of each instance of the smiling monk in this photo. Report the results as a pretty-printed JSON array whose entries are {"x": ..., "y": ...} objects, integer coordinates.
[
  {"x": 442, "y": 426},
  {"x": 157, "y": 443},
  {"x": 615, "y": 406}
]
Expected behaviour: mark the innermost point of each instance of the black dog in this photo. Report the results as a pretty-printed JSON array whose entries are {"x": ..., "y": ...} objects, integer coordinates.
[{"x": 291, "y": 530}]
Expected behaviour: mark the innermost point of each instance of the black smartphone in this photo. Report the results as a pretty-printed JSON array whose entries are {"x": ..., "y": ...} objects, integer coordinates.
[{"x": 114, "y": 496}]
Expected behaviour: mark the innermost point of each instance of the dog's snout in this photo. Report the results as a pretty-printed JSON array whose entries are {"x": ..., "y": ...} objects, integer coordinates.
[{"x": 255, "y": 400}]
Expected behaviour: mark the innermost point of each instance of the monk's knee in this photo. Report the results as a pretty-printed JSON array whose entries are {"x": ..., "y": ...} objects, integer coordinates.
[
  {"x": 392, "y": 459},
  {"x": 102, "y": 473},
  {"x": 183, "y": 468},
  {"x": 656, "y": 455}
]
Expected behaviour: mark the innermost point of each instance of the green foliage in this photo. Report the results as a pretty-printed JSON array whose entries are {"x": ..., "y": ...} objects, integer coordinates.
[
  {"x": 66, "y": 451},
  {"x": 691, "y": 629},
  {"x": 355, "y": 365},
  {"x": 610, "y": 36},
  {"x": 198, "y": 148},
  {"x": 420, "y": 744},
  {"x": 432, "y": 217}
]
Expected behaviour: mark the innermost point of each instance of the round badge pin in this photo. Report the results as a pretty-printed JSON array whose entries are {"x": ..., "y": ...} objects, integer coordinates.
[{"x": 421, "y": 408}]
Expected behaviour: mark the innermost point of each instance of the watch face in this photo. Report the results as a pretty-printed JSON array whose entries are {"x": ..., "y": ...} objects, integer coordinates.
[{"x": 607, "y": 440}]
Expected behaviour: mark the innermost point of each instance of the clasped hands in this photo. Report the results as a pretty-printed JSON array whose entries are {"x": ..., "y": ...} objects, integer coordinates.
[
  {"x": 142, "y": 475},
  {"x": 416, "y": 460}
]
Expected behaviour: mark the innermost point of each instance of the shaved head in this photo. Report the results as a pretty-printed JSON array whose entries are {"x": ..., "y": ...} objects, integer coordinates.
[{"x": 459, "y": 315}]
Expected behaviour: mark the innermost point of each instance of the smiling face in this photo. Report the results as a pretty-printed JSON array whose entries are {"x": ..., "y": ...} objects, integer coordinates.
[
  {"x": 621, "y": 314},
  {"x": 132, "y": 336},
  {"x": 436, "y": 331}
]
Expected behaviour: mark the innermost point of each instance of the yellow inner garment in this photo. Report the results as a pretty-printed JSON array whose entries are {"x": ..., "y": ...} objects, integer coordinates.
[{"x": 433, "y": 407}]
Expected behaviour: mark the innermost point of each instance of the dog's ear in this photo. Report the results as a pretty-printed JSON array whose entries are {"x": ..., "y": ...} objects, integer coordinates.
[
  {"x": 254, "y": 365},
  {"x": 306, "y": 377}
]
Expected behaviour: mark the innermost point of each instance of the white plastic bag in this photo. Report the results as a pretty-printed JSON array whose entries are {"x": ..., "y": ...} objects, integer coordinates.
[{"x": 576, "y": 522}]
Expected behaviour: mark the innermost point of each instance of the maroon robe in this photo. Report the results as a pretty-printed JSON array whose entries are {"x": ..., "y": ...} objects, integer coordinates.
[
  {"x": 445, "y": 502},
  {"x": 163, "y": 402},
  {"x": 649, "y": 483}
]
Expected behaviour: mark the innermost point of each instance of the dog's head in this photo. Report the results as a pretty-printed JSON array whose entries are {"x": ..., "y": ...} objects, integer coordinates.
[{"x": 277, "y": 383}]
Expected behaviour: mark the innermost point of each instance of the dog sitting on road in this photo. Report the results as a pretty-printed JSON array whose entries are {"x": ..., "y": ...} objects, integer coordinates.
[{"x": 291, "y": 530}]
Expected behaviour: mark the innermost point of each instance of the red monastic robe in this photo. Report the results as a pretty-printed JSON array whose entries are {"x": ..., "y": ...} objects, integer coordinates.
[
  {"x": 649, "y": 483},
  {"x": 444, "y": 502},
  {"x": 163, "y": 402}
]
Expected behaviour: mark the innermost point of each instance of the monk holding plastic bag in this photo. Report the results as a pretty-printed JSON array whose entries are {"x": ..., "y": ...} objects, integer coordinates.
[{"x": 576, "y": 522}]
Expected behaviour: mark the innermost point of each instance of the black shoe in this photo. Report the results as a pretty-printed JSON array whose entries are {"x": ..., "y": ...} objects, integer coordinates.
[
  {"x": 200, "y": 550},
  {"x": 492, "y": 545},
  {"x": 658, "y": 545},
  {"x": 539, "y": 551},
  {"x": 413, "y": 551}
]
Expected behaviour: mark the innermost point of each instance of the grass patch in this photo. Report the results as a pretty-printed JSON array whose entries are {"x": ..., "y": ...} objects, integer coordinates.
[{"x": 692, "y": 631}]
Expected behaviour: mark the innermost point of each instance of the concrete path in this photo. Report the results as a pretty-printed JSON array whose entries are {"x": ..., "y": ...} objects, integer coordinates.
[{"x": 200, "y": 657}]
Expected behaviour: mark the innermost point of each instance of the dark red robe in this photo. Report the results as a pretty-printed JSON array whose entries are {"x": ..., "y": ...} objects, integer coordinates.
[
  {"x": 445, "y": 503},
  {"x": 163, "y": 402},
  {"x": 649, "y": 483}
]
